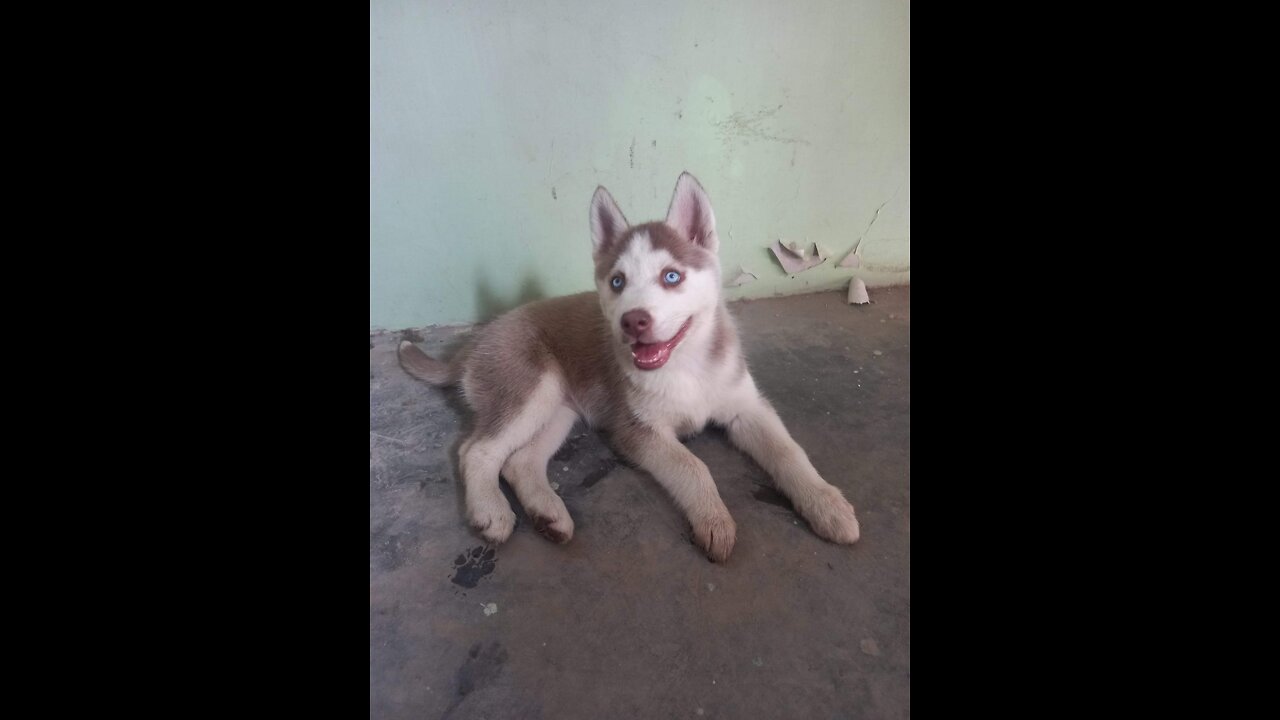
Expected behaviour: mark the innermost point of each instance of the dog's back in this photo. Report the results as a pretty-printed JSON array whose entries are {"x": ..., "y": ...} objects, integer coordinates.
[{"x": 563, "y": 339}]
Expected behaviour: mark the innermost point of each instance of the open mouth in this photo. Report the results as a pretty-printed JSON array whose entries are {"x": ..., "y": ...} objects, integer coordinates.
[{"x": 651, "y": 356}]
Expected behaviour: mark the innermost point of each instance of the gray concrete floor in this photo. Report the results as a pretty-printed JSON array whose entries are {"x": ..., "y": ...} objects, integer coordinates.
[{"x": 629, "y": 620}]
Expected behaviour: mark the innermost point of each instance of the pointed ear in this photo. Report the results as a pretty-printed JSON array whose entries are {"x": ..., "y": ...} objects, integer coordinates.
[
  {"x": 691, "y": 214},
  {"x": 607, "y": 222}
]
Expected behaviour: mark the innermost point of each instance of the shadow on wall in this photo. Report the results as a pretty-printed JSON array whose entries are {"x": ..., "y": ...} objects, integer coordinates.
[{"x": 490, "y": 305}]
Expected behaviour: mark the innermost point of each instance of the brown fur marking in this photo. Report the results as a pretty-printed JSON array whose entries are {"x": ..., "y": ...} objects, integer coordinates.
[
  {"x": 661, "y": 237},
  {"x": 511, "y": 355},
  {"x": 724, "y": 335}
]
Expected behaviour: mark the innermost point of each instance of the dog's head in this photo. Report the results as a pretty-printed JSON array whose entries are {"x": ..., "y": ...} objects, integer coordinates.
[{"x": 660, "y": 281}]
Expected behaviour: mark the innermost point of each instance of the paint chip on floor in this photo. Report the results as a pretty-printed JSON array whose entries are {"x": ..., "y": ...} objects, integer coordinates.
[
  {"x": 489, "y": 609},
  {"x": 858, "y": 292}
]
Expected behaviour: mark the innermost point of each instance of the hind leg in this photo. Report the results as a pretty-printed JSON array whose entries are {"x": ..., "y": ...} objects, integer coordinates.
[
  {"x": 485, "y": 452},
  {"x": 526, "y": 470}
]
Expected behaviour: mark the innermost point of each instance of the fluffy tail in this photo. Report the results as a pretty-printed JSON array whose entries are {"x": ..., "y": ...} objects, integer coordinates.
[{"x": 424, "y": 367}]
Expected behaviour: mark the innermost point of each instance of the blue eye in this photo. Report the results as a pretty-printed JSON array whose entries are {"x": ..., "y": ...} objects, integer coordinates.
[
  {"x": 672, "y": 277},
  {"x": 616, "y": 282}
]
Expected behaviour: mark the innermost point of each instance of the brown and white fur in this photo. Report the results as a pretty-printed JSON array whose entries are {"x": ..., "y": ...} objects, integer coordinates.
[{"x": 604, "y": 357}]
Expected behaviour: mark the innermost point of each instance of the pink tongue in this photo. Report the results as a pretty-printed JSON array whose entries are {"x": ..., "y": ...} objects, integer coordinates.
[{"x": 650, "y": 354}]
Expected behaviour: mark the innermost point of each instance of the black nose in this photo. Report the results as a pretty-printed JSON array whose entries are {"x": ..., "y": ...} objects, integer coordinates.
[{"x": 635, "y": 322}]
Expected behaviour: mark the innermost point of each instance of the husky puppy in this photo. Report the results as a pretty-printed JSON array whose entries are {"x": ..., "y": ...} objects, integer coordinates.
[{"x": 651, "y": 356}]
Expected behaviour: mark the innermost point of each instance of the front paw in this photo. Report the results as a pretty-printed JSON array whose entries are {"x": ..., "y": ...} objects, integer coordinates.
[
  {"x": 830, "y": 515},
  {"x": 715, "y": 534},
  {"x": 551, "y": 518},
  {"x": 494, "y": 520}
]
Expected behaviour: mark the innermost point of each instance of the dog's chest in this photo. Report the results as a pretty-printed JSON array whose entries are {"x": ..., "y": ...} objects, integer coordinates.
[{"x": 682, "y": 402}]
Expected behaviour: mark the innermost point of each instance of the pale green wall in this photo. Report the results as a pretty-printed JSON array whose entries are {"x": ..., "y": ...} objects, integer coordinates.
[{"x": 794, "y": 115}]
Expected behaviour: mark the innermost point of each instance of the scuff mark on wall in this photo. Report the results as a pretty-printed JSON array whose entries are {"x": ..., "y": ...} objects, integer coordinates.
[
  {"x": 872, "y": 267},
  {"x": 740, "y": 126},
  {"x": 633, "y": 153}
]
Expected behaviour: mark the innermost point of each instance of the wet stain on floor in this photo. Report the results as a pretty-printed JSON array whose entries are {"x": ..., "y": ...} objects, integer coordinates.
[{"x": 482, "y": 666}]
